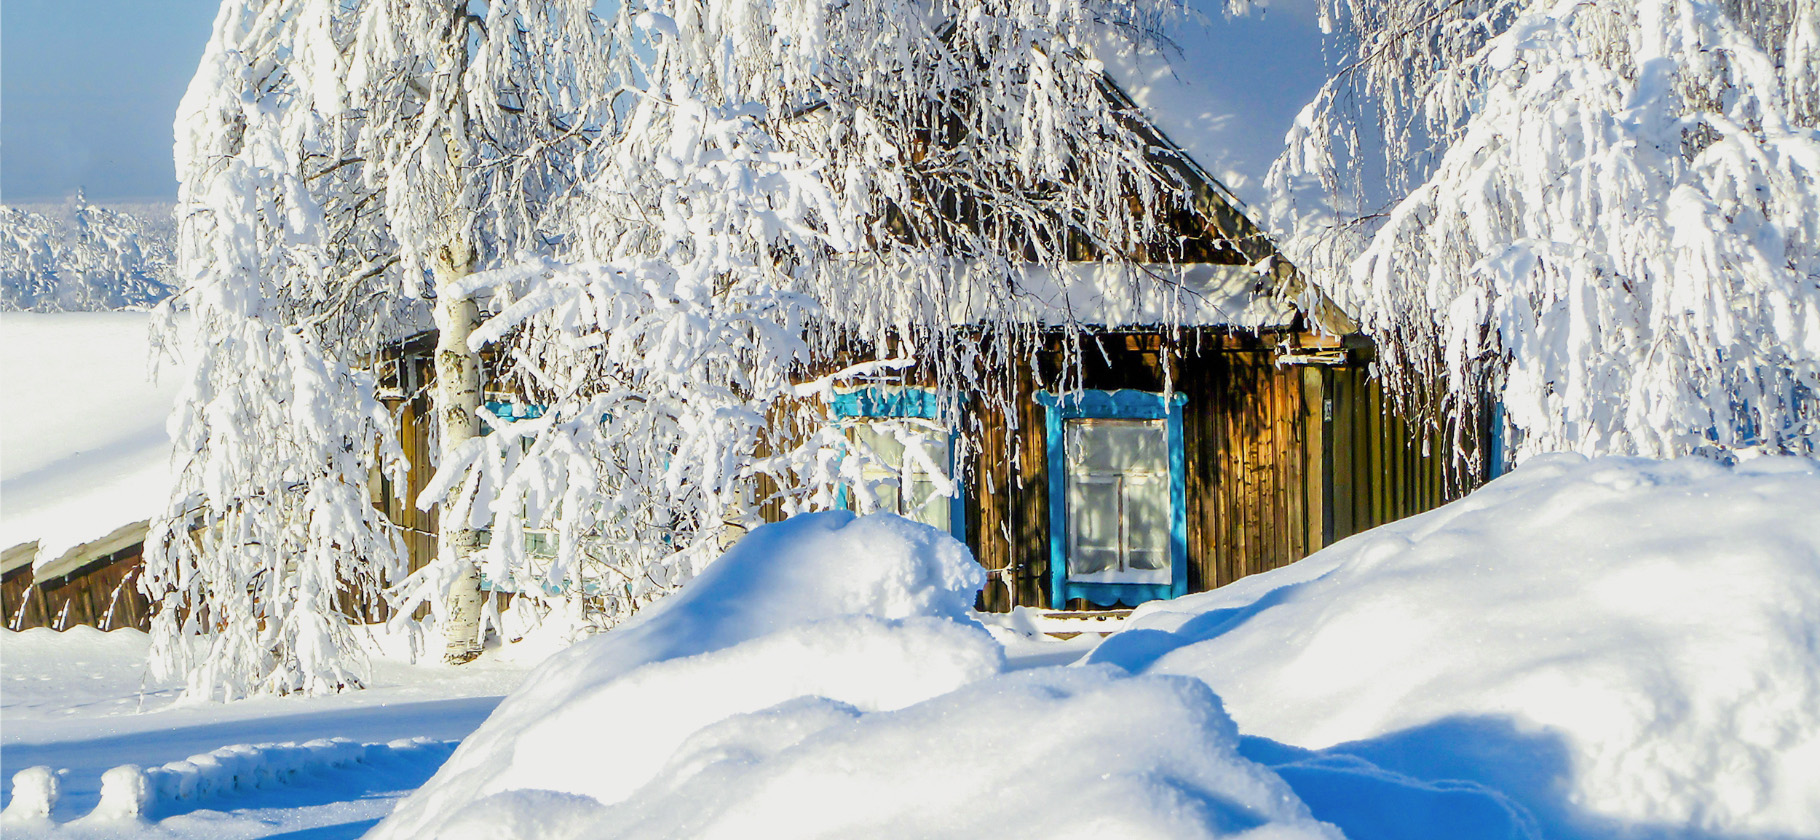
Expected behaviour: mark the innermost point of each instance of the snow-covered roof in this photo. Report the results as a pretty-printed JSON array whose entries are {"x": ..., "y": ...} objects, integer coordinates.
[
  {"x": 1109, "y": 294},
  {"x": 1100, "y": 294},
  {"x": 1225, "y": 91},
  {"x": 83, "y": 448}
]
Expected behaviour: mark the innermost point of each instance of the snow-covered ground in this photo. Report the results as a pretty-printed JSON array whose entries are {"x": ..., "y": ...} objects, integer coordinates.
[
  {"x": 1583, "y": 649},
  {"x": 81, "y": 702}
]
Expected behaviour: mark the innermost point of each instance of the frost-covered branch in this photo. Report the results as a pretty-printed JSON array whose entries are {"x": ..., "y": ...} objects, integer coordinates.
[{"x": 1603, "y": 217}]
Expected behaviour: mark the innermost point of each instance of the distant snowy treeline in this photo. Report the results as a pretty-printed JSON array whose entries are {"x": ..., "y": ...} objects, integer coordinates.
[{"x": 80, "y": 257}]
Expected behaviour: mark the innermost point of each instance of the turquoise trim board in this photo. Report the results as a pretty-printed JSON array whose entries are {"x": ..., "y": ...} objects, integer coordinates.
[
  {"x": 891, "y": 401},
  {"x": 1114, "y": 405},
  {"x": 883, "y": 403},
  {"x": 513, "y": 411}
]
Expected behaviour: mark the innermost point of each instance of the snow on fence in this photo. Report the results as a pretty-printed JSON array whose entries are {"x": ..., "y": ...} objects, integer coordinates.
[
  {"x": 130, "y": 791},
  {"x": 35, "y": 793}
]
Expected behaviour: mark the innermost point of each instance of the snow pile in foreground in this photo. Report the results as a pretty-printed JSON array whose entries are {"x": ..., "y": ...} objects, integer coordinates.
[
  {"x": 1605, "y": 645},
  {"x": 788, "y": 692},
  {"x": 1055, "y": 752},
  {"x": 84, "y": 450}
]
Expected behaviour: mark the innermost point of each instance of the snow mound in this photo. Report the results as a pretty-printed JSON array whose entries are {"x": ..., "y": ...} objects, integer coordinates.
[
  {"x": 1606, "y": 645},
  {"x": 1051, "y": 753},
  {"x": 35, "y": 793},
  {"x": 1048, "y": 753},
  {"x": 866, "y": 611}
]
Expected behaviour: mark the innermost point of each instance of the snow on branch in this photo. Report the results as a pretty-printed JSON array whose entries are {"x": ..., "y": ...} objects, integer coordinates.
[{"x": 1602, "y": 217}]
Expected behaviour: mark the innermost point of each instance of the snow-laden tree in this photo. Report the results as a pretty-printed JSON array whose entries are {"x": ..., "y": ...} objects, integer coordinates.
[
  {"x": 28, "y": 259},
  {"x": 343, "y": 166},
  {"x": 89, "y": 259},
  {"x": 277, "y": 431},
  {"x": 792, "y": 177},
  {"x": 473, "y": 116},
  {"x": 1602, "y": 214}
]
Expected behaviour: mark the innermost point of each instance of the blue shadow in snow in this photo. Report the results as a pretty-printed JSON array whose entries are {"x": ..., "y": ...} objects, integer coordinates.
[
  {"x": 1458, "y": 778},
  {"x": 1136, "y": 649},
  {"x": 344, "y": 831}
]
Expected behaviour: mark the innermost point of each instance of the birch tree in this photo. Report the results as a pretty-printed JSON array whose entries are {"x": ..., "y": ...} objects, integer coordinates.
[
  {"x": 344, "y": 165},
  {"x": 1603, "y": 217}
]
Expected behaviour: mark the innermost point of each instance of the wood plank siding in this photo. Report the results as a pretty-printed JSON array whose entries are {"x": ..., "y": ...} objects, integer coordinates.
[
  {"x": 1281, "y": 460},
  {"x": 103, "y": 592},
  {"x": 405, "y": 379}
]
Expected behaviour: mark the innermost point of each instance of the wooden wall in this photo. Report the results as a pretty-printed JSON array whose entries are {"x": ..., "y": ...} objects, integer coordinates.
[
  {"x": 1381, "y": 465},
  {"x": 1282, "y": 460},
  {"x": 406, "y": 375},
  {"x": 101, "y": 593},
  {"x": 1249, "y": 461},
  {"x": 1008, "y": 509}
]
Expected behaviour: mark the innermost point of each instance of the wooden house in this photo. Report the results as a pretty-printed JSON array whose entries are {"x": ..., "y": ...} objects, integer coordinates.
[
  {"x": 1151, "y": 459},
  {"x": 1180, "y": 435},
  {"x": 1170, "y": 437}
]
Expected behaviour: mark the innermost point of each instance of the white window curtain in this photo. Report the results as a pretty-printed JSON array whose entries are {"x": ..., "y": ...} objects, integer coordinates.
[{"x": 1118, "y": 501}]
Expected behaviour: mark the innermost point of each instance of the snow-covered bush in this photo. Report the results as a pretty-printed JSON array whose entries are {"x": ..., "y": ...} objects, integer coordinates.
[
  {"x": 1610, "y": 644},
  {"x": 130, "y": 791},
  {"x": 35, "y": 793},
  {"x": 1603, "y": 215},
  {"x": 86, "y": 259}
]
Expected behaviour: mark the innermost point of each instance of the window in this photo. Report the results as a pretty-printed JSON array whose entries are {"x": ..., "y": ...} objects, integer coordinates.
[
  {"x": 913, "y": 454},
  {"x": 910, "y": 476},
  {"x": 539, "y": 543},
  {"x": 1117, "y": 518}
]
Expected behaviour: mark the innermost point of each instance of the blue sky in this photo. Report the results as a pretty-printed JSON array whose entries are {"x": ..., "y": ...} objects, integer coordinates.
[{"x": 87, "y": 92}]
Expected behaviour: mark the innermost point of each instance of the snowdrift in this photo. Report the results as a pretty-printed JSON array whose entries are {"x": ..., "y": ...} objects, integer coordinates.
[
  {"x": 1603, "y": 648},
  {"x": 823, "y": 679},
  {"x": 1582, "y": 648}
]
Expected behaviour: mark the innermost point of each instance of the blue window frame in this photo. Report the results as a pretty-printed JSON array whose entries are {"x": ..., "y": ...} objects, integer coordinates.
[
  {"x": 511, "y": 411},
  {"x": 856, "y": 409},
  {"x": 1114, "y": 458},
  {"x": 537, "y": 543}
]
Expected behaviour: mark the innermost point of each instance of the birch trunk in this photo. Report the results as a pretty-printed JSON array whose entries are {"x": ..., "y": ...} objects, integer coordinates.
[{"x": 457, "y": 421}]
